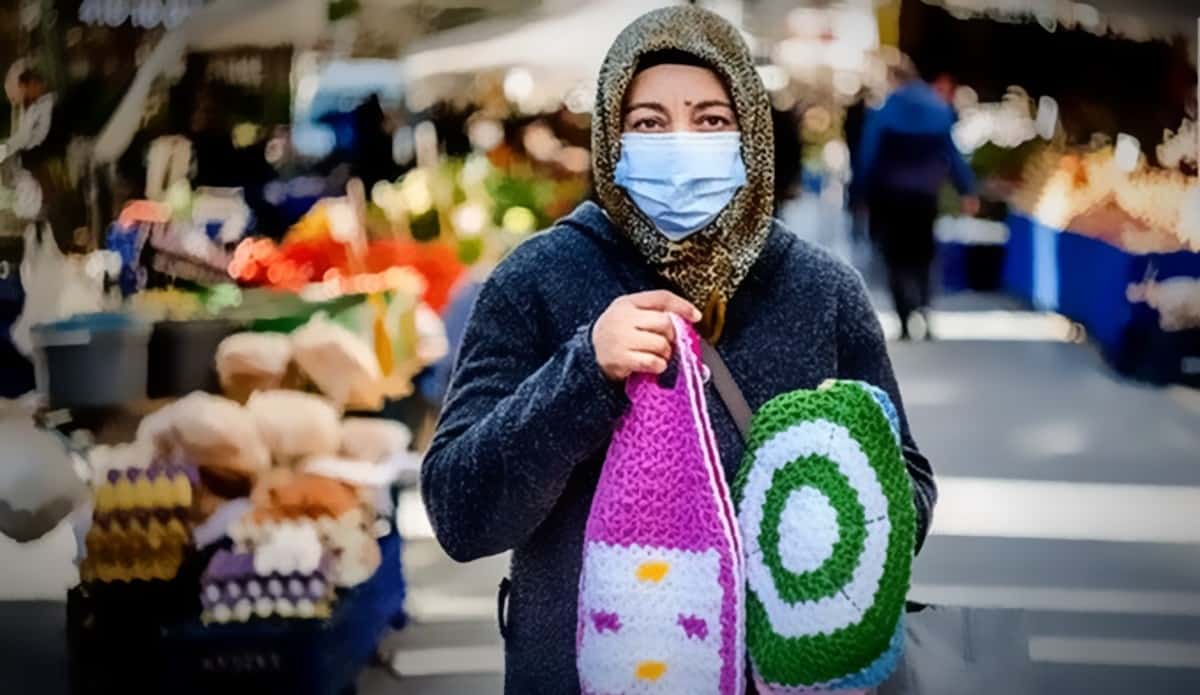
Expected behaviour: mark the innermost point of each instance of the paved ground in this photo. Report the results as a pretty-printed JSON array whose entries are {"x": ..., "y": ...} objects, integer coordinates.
[{"x": 1065, "y": 491}]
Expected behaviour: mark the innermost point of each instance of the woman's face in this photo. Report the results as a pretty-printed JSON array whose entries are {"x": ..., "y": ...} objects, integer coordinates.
[{"x": 678, "y": 98}]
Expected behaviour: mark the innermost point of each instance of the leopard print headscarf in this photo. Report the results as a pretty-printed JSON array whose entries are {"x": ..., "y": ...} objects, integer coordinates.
[{"x": 708, "y": 266}]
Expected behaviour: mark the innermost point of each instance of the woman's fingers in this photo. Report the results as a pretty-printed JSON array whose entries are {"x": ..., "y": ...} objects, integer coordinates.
[
  {"x": 651, "y": 342},
  {"x": 662, "y": 300},
  {"x": 636, "y": 334},
  {"x": 647, "y": 363},
  {"x": 655, "y": 322}
]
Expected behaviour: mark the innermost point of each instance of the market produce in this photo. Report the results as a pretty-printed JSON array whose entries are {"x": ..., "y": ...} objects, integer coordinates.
[
  {"x": 168, "y": 304},
  {"x": 295, "y": 425},
  {"x": 340, "y": 364},
  {"x": 249, "y": 362},
  {"x": 1140, "y": 211},
  {"x": 335, "y": 509},
  {"x": 213, "y": 432},
  {"x": 365, "y": 475},
  {"x": 285, "y": 495},
  {"x": 373, "y": 439}
]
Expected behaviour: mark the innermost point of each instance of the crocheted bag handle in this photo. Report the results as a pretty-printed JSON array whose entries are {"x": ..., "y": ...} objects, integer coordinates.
[{"x": 688, "y": 348}]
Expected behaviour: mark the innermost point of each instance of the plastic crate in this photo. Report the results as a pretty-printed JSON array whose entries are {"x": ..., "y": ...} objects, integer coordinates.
[
  {"x": 187, "y": 657},
  {"x": 115, "y": 631},
  {"x": 313, "y": 657}
]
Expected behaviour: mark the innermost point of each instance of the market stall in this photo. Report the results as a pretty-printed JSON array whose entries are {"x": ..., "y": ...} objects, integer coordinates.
[
  {"x": 1094, "y": 156},
  {"x": 219, "y": 393},
  {"x": 212, "y": 381},
  {"x": 237, "y": 528},
  {"x": 1117, "y": 251}
]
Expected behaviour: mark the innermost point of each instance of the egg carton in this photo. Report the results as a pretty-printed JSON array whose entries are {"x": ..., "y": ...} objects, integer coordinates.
[
  {"x": 158, "y": 486},
  {"x": 232, "y": 590}
]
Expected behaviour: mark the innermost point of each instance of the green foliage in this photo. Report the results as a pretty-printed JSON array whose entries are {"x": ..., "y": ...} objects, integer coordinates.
[
  {"x": 470, "y": 250},
  {"x": 509, "y": 191},
  {"x": 993, "y": 161},
  {"x": 426, "y": 227},
  {"x": 341, "y": 9}
]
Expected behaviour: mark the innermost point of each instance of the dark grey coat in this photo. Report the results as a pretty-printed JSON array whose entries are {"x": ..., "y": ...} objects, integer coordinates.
[{"x": 528, "y": 417}]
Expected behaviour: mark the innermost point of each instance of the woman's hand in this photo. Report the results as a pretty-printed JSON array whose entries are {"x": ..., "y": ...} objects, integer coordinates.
[{"x": 635, "y": 333}]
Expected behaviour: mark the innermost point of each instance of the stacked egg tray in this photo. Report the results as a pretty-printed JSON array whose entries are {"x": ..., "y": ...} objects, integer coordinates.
[
  {"x": 233, "y": 591},
  {"x": 115, "y": 629},
  {"x": 150, "y": 637},
  {"x": 141, "y": 526}
]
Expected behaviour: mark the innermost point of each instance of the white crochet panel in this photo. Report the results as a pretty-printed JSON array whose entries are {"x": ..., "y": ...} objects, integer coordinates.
[
  {"x": 651, "y": 621},
  {"x": 811, "y": 546}
]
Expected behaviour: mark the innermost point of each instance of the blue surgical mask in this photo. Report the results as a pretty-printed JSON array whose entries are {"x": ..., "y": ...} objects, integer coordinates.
[{"x": 681, "y": 181}]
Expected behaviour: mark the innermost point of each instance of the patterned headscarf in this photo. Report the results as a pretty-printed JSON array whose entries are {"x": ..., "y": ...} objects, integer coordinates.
[{"x": 708, "y": 266}]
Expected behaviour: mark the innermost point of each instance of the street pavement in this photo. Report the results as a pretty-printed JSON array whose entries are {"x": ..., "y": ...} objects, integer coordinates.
[{"x": 1065, "y": 491}]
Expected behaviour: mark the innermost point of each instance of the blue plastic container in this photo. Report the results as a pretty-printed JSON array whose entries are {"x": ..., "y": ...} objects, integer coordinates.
[{"x": 91, "y": 360}]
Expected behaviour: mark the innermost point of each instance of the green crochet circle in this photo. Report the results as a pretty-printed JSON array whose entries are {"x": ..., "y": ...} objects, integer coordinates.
[
  {"x": 819, "y": 658},
  {"x": 838, "y": 568}
]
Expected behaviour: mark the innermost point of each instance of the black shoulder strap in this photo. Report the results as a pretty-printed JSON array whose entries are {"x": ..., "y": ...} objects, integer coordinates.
[{"x": 727, "y": 388}]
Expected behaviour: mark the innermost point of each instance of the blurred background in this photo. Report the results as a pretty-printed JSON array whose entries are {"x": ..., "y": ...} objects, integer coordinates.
[{"x": 178, "y": 161}]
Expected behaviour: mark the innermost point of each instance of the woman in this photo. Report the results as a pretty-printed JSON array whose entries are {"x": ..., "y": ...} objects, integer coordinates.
[{"x": 683, "y": 225}]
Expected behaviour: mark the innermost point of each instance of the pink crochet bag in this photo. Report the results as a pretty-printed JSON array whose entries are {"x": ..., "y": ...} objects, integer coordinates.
[{"x": 661, "y": 594}]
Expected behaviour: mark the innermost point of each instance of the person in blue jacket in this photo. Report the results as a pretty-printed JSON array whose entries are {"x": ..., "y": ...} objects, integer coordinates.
[
  {"x": 683, "y": 158},
  {"x": 905, "y": 155}
]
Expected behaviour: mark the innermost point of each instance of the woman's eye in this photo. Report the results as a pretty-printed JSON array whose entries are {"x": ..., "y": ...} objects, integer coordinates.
[
  {"x": 647, "y": 124},
  {"x": 714, "y": 121}
]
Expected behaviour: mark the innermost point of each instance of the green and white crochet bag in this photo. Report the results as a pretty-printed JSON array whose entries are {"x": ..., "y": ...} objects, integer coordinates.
[{"x": 825, "y": 506}]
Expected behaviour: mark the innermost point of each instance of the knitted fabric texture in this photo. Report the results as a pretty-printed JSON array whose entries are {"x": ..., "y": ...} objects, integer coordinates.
[
  {"x": 661, "y": 594},
  {"x": 709, "y": 265},
  {"x": 826, "y": 506},
  {"x": 232, "y": 589},
  {"x": 141, "y": 525}
]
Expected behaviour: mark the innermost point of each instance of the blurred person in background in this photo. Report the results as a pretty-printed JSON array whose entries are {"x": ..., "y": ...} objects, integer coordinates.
[
  {"x": 684, "y": 166},
  {"x": 852, "y": 128},
  {"x": 211, "y": 134},
  {"x": 371, "y": 153},
  {"x": 788, "y": 153},
  {"x": 363, "y": 145},
  {"x": 905, "y": 155}
]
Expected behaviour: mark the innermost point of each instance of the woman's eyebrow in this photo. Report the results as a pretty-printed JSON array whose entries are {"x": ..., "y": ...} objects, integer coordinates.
[
  {"x": 711, "y": 103},
  {"x": 652, "y": 105}
]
